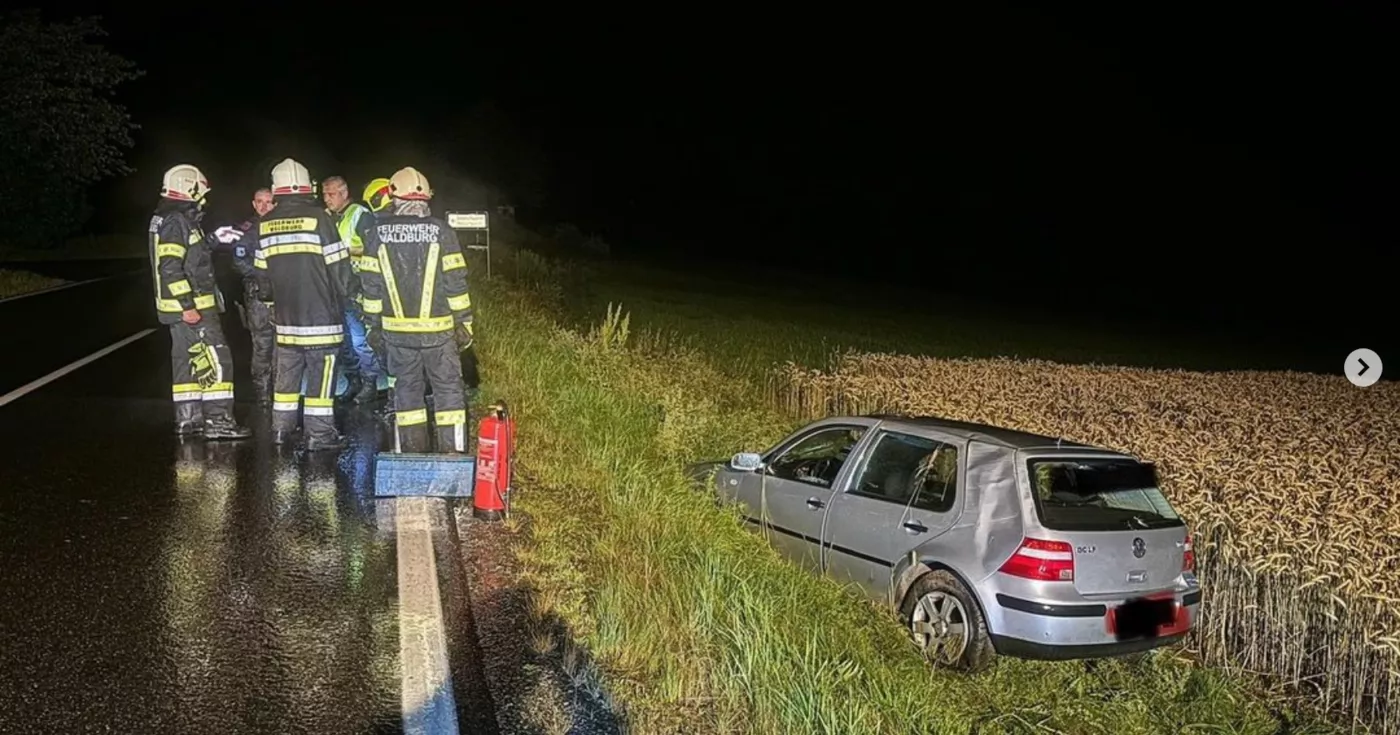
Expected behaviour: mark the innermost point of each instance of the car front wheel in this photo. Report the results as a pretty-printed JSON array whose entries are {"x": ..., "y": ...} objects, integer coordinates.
[{"x": 946, "y": 624}]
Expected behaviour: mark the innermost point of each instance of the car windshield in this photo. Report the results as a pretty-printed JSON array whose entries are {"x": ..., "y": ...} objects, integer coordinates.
[{"x": 1099, "y": 495}]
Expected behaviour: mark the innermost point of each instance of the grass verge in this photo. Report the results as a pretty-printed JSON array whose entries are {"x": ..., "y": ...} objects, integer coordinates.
[
  {"x": 695, "y": 621},
  {"x": 15, "y": 283}
]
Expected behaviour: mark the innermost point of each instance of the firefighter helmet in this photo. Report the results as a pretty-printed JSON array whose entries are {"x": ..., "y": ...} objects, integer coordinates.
[
  {"x": 184, "y": 183},
  {"x": 407, "y": 183},
  {"x": 377, "y": 194},
  {"x": 290, "y": 177}
]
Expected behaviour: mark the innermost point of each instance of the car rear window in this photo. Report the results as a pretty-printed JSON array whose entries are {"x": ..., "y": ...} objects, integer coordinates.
[{"x": 1099, "y": 495}]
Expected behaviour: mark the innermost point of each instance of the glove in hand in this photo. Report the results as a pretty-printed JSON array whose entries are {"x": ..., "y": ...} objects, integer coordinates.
[
  {"x": 464, "y": 337},
  {"x": 228, "y": 234}
]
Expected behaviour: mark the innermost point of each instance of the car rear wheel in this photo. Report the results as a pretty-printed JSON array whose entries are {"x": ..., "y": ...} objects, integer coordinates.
[{"x": 946, "y": 624}]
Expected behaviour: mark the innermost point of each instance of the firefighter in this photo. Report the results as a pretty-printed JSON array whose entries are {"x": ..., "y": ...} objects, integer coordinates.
[
  {"x": 187, "y": 300},
  {"x": 306, "y": 268},
  {"x": 256, "y": 305},
  {"x": 419, "y": 314}
]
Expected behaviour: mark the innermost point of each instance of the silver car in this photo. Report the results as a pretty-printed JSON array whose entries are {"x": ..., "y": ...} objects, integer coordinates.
[{"x": 983, "y": 540}]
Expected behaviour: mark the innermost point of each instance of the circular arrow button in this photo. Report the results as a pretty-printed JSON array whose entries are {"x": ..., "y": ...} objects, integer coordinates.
[{"x": 1363, "y": 367}]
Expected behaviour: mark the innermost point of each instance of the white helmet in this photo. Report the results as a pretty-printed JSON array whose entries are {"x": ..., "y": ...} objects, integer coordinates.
[
  {"x": 408, "y": 183},
  {"x": 290, "y": 177},
  {"x": 184, "y": 183}
]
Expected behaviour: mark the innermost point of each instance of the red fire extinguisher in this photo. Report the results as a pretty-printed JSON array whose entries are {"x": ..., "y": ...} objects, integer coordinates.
[{"x": 495, "y": 446}]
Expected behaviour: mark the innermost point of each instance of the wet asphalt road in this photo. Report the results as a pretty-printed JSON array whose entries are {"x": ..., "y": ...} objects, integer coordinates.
[{"x": 149, "y": 585}]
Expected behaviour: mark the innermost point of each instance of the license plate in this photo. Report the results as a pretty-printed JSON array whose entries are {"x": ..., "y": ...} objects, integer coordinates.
[{"x": 1147, "y": 617}]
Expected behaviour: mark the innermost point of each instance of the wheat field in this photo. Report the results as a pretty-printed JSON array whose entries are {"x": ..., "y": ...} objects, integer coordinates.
[{"x": 1288, "y": 482}]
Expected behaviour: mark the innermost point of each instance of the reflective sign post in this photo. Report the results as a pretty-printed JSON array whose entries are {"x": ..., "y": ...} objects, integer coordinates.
[{"x": 476, "y": 223}]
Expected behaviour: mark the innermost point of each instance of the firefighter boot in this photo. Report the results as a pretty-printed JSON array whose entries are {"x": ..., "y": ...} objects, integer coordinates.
[
  {"x": 368, "y": 391},
  {"x": 224, "y": 427},
  {"x": 189, "y": 418},
  {"x": 283, "y": 436},
  {"x": 353, "y": 384},
  {"x": 317, "y": 443},
  {"x": 411, "y": 439}
]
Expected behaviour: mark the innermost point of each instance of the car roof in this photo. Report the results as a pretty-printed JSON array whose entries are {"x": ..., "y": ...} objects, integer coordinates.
[{"x": 988, "y": 434}]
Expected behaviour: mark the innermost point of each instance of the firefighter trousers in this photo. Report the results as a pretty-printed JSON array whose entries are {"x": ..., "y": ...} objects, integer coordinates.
[
  {"x": 264, "y": 339},
  {"x": 414, "y": 370},
  {"x": 317, "y": 366},
  {"x": 194, "y": 404}
]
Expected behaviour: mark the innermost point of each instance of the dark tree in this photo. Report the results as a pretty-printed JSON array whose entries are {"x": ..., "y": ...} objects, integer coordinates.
[{"x": 60, "y": 130}]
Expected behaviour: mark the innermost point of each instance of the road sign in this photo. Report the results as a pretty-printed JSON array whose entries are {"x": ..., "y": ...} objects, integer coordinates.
[
  {"x": 467, "y": 220},
  {"x": 477, "y": 223}
]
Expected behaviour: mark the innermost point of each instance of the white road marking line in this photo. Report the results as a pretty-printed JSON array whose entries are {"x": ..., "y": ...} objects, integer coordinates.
[
  {"x": 20, "y": 392},
  {"x": 429, "y": 707},
  {"x": 61, "y": 286}
]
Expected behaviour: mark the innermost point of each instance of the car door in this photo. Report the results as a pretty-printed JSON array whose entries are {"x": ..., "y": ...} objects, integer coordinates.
[
  {"x": 787, "y": 499},
  {"x": 905, "y": 492}
]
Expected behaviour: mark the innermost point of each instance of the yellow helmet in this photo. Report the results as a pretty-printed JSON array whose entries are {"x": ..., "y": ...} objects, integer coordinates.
[{"x": 377, "y": 194}]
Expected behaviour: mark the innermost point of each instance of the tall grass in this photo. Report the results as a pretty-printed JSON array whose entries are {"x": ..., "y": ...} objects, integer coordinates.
[{"x": 697, "y": 624}]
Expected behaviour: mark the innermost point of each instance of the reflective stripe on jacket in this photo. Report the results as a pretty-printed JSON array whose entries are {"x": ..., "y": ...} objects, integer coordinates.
[
  {"x": 306, "y": 269},
  {"x": 415, "y": 280},
  {"x": 182, "y": 266}
]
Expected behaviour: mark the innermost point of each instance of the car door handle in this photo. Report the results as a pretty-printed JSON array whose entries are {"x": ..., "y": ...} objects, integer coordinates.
[
  {"x": 815, "y": 504},
  {"x": 914, "y": 527}
]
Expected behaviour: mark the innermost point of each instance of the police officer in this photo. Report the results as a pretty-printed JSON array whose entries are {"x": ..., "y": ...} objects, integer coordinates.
[
  {"x": 346, "y": 214},
  {"x": 419, "y": 314},
  {"x": 187, "y": 300},
  {"x": 306, "y": 267},
  {"x": 256, "y": 305}
]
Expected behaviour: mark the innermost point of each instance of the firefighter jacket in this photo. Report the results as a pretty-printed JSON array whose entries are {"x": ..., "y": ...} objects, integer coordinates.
[
  {"x": 182, "y": 263},
  {"x": 305, "y": 268},
  {"x": 415, "y": 280}
]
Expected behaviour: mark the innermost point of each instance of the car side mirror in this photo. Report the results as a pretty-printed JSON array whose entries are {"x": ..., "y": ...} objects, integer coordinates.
[{"x": 746, "y": 462}]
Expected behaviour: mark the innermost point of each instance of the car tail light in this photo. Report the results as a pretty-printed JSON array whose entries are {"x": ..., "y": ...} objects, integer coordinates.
[
  {"x": 1051, "y": 561},
  {"x": 1188, "y": 556}
]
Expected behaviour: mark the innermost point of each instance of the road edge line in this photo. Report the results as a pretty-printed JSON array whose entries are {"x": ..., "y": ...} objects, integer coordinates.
[
  {"x": 34, "y": 385},
  {"x": 428, "y": 703}
]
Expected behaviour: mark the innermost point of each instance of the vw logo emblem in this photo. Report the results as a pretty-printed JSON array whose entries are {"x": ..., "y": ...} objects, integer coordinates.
[{"x": 1139, "y": 548}]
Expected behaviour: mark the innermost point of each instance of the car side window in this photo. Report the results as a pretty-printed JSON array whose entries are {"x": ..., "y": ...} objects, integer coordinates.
[
  {"x": 902, "y": 467},
  {"x": 817, "y": 458}
]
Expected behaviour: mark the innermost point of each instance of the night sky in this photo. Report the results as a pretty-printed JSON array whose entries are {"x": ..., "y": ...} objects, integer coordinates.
[{"x": 1230, "y": 166}]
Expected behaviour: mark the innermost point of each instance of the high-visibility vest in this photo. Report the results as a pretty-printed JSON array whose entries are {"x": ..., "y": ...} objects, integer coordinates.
[{"x": 346, "y": 225}]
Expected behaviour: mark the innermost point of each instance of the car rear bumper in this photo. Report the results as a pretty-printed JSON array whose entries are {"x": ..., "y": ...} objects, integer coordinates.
[
  {"x": 1057, "y": 631},
  {"x": 1020, "y": 648}
]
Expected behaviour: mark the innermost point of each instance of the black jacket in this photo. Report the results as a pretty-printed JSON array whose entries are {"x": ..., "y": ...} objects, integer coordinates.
[
  {"x": 305, "y": 268},
  {"x": 182, "y": 263},
  {"x": 402, "y": 254},
  {"x": 241, "y": 255}
]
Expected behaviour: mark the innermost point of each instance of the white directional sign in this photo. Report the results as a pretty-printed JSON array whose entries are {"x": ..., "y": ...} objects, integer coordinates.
[
  {"x": 478, "y": 223},
  {"x": 467, "y": 220}
]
